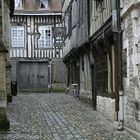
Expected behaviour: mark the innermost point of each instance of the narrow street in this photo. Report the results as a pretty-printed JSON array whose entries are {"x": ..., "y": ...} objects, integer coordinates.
[{"x": 57, "y": 117}]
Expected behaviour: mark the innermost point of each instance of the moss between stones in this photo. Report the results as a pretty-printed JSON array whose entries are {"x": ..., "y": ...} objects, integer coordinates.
[
  {"x": 58, "y": 89},
  {"x": 45, "y": 90},
  {"x": 9, "y": 98},
  {"x": 54, "y": 89},
  {"x": 4, "y": 124}
]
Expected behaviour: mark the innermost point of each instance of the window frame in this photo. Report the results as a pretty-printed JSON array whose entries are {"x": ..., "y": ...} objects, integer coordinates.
[
  {"x": 21, "y": 4},
  {"x": 46, "y": 7},
  {"x": 17, "y": 37},
  {"x": 45, "y": 27}
]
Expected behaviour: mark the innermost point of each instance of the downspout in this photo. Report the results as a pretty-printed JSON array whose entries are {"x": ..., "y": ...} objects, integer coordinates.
[
  {"x": 93, "y": 79},
  {"x": 119, "y": 94},
  {"x": 50, "y": 72},
  {"x": 115, "y": 31}
]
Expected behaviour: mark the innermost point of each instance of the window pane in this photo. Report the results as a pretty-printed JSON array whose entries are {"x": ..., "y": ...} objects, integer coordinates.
[
  {"x": 18, "y": 3},
  {"x": 17, "y": 36},
  {"x": 44, "y": 4},
  {"x": 45, "y": 40}
]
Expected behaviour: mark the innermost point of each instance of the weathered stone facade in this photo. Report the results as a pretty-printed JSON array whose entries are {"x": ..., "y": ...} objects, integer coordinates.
[
  {"x": 4, "y": 123},
  {"x": 131, "y": 45},
  {"x": 4, "y": 59}
]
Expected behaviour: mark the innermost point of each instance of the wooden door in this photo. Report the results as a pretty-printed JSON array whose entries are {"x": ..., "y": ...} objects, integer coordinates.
[{"x": 33, "y": 76}]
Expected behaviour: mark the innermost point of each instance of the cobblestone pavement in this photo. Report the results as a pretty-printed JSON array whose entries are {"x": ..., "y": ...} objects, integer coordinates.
[{"x": 57, "y": 117}]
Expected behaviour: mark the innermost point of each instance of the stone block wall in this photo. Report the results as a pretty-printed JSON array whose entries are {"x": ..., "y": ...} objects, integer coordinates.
[
  {"x": 131, "y": 46},
  {"x": 2, "y": 72},
  {"x": 8, "y": 82},
  {"x": 4, "y": 123},
  {"x": 4, "y": 58}
]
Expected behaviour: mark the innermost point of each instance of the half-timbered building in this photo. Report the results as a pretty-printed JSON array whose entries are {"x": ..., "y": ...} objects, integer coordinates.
[
  {"x": 35, "y": 51},
  {"x": 90, "y": 54}
]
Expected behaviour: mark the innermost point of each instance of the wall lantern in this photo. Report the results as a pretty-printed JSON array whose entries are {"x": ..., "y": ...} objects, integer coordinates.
[
  {"x": 99, "y": 6},
  {"x": 37, "y": 34}
]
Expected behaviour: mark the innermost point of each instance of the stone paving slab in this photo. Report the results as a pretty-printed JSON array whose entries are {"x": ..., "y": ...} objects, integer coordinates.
[{"x": 57, "y": 117}]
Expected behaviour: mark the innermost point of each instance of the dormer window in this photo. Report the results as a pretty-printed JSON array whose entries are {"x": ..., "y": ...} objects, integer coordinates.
[
  {"x": 18, "y": 4},
  {"x": 43, "y": 4}
]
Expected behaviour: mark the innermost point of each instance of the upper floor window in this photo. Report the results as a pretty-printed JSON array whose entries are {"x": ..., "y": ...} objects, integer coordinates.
[
  {"x": 43, "y": 4},
  {"x": 17, "y": 36},
  {"x": 18, "y": 4},
  {"x": 45, "y": 40},
  {"x": 81, "y": 12}
]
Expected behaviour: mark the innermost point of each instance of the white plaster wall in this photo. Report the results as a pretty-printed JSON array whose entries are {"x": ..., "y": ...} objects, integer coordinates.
[
  {"x": 87, "y": 73},
  {"x": 85, "y": 76},
  {"x": 107, "y": 107},
  {"x": 82, "y": 77}
]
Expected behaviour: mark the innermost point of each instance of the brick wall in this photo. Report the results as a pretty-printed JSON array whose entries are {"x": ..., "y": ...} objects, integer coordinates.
[{"x": 53, "y": 5}]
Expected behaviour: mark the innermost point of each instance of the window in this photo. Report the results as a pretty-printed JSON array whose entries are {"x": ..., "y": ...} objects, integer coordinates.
[
  {"x": 81, "y": 12},
  {"x": 17, "y": 36},
  {"x": 18, "y": 4},
  {"x": 43, "y": 4},
  {"x": 70, "y": 18},
  {"x": 45, "y": 40}
]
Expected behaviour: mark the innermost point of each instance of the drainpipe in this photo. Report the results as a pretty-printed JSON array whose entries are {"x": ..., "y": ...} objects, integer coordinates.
[
  {"x": 50, "y": 72},
  {"x": 119, "y": 94},
  {"x": 93, "y": 79},
  {"x": 115, "y": 30}
]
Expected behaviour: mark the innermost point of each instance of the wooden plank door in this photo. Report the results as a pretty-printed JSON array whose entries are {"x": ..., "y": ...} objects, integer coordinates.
[{"x": 33, "y": 75}]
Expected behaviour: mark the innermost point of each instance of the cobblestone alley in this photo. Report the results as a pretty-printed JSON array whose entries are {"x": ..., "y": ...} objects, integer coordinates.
[{"x": 57, "y": 117}]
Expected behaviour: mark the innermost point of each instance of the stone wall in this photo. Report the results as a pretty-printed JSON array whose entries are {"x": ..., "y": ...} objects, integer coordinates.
[
  {"x": 2, "y": 72},
  {"x": 131, "y": 45},
  {"x": 4, "y": 123},
  {"x": 4, "y": 58},
  {"x": 7, "y": 42},
  {"x": 8, "y": 82}
]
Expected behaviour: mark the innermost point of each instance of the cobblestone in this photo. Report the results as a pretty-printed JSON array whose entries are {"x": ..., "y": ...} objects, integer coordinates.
[{"x": 57, "y": 117}]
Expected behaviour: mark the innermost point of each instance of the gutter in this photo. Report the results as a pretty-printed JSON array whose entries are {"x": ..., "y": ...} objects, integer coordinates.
[
  {"x": 119, "y": 92},
  {"x": 39, "y": 12}
]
